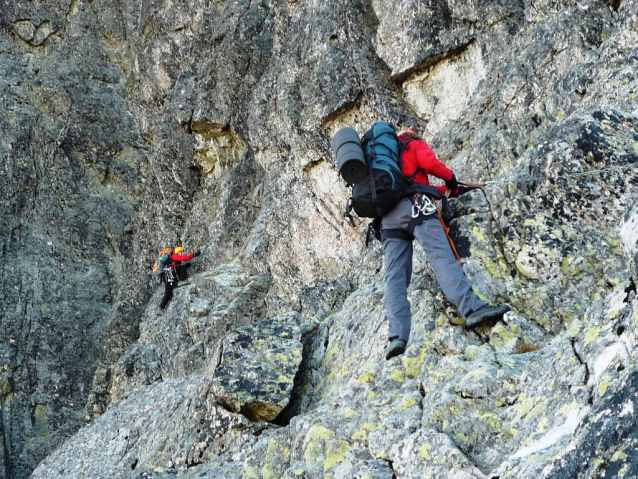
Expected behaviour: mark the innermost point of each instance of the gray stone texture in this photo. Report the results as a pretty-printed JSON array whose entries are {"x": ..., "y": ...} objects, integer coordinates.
[
  {"x": 130, "y": 126},
  {"x": 255, "y": 368}
]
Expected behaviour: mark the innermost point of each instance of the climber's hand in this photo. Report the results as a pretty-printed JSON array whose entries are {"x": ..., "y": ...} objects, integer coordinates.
[{"x": 452, "y": 185}]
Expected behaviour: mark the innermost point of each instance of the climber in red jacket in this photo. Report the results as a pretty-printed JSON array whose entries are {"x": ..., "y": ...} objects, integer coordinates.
[
  {"x": 419, "y": 160},
  {"x": 400, "y": 226},
  {"x": 177, "y": 272}
]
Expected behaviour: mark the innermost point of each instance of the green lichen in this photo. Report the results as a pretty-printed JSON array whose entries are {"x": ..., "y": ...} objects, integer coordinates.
[
  {"x": 542, "y": 425},
  {"x": 413, "y": 365},
  {"x": 475, "y": 375},
  {"x": 284, "y": 379},
  {"x": 336, "y": 453},
  {"x": 424, "y": 451},
  {"x": 408, "y": 403},
  {"x": 362, "y": 434},
  {"x": 348, "y": 413},
  {"x": 604, "y": 385},
  {"x": 330, "y": 355},
  {"x": 567, "y": 408},
  {"x": 274, "y": 452},
  {"x": 619, "y": 456},
  {"x": 478, "y": 233},
  {"x": 398, "y": 375},
  {"x": 5, "y": 387},
  {"x": 525, "y": 271},
  {"x": 501, "y": 335},
  {"x": 314, "y": 452},
  {"x": 523, "y": 406},
  {"x": 318, "y": 432},
  {"x": 366, "y": 378},
  {"x": 592, "y": 334},
  {"x": 41, "y": 428},
  {"x": 346, "y": 367},
  {"x": 574, "y": 329}
]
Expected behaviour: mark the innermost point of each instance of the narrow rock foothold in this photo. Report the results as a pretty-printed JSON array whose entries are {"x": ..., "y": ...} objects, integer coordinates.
[{"x": 256, "y": 367}]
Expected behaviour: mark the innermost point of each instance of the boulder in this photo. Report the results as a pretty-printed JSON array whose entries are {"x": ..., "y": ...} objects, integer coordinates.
[{"x": 257, "y": 366}]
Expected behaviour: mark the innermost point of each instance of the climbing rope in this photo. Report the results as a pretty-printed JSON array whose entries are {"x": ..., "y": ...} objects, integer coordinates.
[{"x": 571, "y": 175}]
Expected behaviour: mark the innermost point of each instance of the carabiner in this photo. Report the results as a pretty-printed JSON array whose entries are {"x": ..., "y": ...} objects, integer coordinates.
[
  {"x": 415, "y": 210},
  {"x": 427, "y": 206}
]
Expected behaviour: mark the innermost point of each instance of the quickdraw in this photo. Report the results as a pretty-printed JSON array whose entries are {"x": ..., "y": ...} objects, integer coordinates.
[
  {"x": 169, "y": 275},
  {"x": 422, "y": 205}
]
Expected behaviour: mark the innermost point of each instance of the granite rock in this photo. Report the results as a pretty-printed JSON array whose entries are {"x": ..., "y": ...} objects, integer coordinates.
[
  {"x": 255, "y": 367},
  {"x": 130, "y": 126}
]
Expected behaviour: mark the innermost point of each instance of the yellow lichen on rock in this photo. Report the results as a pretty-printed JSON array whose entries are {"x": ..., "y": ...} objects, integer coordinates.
[
  {"x": 336, "y": 453},
  {"x": 362, "y": 433},
  {"x": 413, "y": 364}
]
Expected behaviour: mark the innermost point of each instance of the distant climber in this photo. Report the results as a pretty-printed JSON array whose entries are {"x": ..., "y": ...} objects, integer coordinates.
[
  {"x": 174, "y": 271},
  {"x": 389, "y": 173},
  {"x": 419, "y": 160}
]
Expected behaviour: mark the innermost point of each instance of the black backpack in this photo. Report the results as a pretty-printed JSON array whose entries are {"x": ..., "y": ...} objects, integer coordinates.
[{"x": 384, "y": 185}]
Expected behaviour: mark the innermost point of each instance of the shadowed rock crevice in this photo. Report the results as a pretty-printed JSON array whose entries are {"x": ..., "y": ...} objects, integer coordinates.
[
  {"x": 587, "y": 373},
  {"x": 431, "y": 61},
  {"x": 299, "y": 397}
]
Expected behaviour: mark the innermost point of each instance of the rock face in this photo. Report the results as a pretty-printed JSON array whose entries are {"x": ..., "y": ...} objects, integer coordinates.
[
  {"x": 257, "y": 367},
  {"x": 184, "y": 338},
  {"x": 130, "y": 126},
  {"x": 167, "y": 424}
]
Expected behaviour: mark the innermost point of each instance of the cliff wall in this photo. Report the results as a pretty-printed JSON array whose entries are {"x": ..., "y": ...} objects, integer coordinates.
[{"x": 128, "y": 126}]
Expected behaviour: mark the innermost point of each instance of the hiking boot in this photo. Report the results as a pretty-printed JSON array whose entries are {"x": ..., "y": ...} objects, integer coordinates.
[
  {"x": 159, "y": 312},
  {"x": 396, "y": 347},
  {"x": 486, "y": 312}
]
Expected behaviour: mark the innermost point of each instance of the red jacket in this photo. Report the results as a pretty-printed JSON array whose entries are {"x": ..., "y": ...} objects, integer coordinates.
[
  {"x": 178, "y": 258},
  {"x": 419, "y": 155}
]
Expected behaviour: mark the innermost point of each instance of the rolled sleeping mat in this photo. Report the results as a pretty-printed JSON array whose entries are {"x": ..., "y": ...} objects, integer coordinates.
[{"x": 349, "y": 152}]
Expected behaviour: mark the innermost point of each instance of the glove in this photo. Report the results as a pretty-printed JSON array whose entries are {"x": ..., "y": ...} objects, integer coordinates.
[
  {"x": 452, "y": 184},
  {"x": 197, "y": 253}
]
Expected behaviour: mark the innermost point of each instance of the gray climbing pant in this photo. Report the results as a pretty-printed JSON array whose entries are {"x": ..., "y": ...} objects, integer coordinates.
[{"x": 398, "y": 261}]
